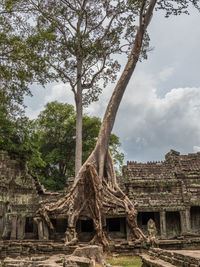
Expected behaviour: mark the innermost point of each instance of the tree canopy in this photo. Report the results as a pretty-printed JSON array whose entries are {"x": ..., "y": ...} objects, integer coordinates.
[
  {"x": 78, "y": 48},
  {"x": 20, "y": 63}
]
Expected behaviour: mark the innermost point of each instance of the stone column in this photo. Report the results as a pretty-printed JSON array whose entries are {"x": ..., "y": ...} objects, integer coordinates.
[
  {"x": 40, "y": 230},
  {"x": 7, "y": 227},
  {"x": 43, "y": 231},
  {"x": 128, "y": 233},
  {"x": 46, "y": 231},
  {"x": 183, "y": 222},
  {"x": 163, "y": 228},
  {"x": 21, "y": 227},
  {"x": 188, "y": 219},
  {"x": 1, "y": 226},
  {"x": 13, "y": 234}
]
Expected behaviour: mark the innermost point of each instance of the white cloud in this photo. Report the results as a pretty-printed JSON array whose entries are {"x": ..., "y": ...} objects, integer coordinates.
[
  {"x": 32, "y": 114},
  {"x": 60, "y": 92},
  {"x": 98, "y": 108},
  {"x": 196, "y": 149},
  {"x": 149, "y": 126}
]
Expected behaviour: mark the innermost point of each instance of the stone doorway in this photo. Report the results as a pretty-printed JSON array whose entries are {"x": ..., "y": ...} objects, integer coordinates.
[
  {"x": 60, "y": 226},
  {"x": 144, "y": 217},
  {"x": 116, "y": 227},
  {"x": 30, "y": 229},
  {"x": 195, "y": 219},
  {"x": 173, "y": 224},
  {"x": 85, "y": 230}
]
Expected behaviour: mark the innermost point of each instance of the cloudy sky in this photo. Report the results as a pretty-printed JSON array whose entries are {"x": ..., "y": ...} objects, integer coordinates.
[{"x": 161, "y": 107}]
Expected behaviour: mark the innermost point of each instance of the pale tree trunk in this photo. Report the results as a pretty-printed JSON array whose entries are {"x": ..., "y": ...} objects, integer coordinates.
[
  {"x": 79, "y": 119},
  {"x": 95, "y": 191}
]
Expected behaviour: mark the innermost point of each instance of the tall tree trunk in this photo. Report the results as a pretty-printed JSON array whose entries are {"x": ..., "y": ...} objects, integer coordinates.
[
  {"x": 102, "y": 144},
  {"x": 95, "y": 191},
  {"x": 79, "y": 119}
]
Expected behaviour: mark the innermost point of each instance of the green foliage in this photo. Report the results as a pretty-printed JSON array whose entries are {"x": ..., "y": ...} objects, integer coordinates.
[
  {"x": 68, "y": 37},
  {"x": 20, "y": 62},
  {"x": 118, "y": 157},
  {"x": 16, "y": 137},
  {"x": 17, "y": 133},
  {"x": 55, "y": 135}
]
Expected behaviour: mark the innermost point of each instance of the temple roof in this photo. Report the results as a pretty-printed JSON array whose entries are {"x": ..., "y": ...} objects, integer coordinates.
[{"x": 173, "y": 165}]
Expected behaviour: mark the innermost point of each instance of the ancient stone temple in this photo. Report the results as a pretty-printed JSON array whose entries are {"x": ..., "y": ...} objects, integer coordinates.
[{"x": 167, "y": 192}]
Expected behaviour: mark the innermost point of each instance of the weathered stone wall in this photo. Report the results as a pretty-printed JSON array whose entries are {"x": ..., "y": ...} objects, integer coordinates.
[
  {"x": 171, "y": 258},
  {"x": 19, "y": 198},
  {"x": 170, "y": 189}
]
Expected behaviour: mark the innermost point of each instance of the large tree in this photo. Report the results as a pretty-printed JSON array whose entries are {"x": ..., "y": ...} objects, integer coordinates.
[
  {"x": 95, "y": 189},
  {"x": 80, "y": 39}
]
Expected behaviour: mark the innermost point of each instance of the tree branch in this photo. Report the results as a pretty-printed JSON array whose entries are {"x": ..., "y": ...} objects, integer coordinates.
[
  {"x": 63, "y": 73},
  {"x": 89, "y": 85}
]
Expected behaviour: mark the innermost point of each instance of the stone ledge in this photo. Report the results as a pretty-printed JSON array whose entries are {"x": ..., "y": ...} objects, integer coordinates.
[
  {"x": 47, "y": 261},
  {"x": 154, "y": 262}
]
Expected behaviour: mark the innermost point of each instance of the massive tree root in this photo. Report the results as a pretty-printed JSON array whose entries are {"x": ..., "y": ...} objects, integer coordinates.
[{"x": 94, "y": 198}]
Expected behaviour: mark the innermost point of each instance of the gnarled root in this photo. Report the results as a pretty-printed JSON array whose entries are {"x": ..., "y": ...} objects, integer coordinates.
[
  {"x": 93, "y": 197},
  {"x": 71, "y": 236}
]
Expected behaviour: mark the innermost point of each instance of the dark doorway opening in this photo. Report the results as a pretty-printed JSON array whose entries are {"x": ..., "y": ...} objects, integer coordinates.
[
  {"x": 173, "y": 224},
  {"x": 31, "y": 231},
  {"x": 60, "y": 226},
  {"x": 116, "y": 227},
  {"x": 85, "y": 230},
  {"x": 195, "y": 218},
  {"x": 29, "y": 225},
  {"x": 87, "y": 226}
]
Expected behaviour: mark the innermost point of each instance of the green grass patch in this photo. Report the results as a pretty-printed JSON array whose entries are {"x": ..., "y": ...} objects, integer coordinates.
[{"x": 125, "y": 261}]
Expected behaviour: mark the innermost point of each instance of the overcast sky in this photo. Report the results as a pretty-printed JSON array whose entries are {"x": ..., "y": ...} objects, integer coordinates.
[{"x": 161, "y": 107}]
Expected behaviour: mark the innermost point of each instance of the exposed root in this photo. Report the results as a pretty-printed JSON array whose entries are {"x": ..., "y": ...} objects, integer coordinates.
[
  {"x": 71, "y": 237},
  {"x": 93, "y": 197}
]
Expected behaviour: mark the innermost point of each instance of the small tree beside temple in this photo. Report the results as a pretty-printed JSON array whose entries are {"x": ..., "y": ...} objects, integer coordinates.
[{"x": 55, "y": 131}]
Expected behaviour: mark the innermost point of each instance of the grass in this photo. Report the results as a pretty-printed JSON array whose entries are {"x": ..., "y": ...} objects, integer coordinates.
[{"x": 125, "y": 261}]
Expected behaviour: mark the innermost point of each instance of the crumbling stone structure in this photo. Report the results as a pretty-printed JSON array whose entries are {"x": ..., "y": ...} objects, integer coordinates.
[
  {"x": 19, "y": 199},
  {"x": 21, "y": 195},
  {"x": 171, "y": 258},
  {"x": 167, "y": 192}
]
